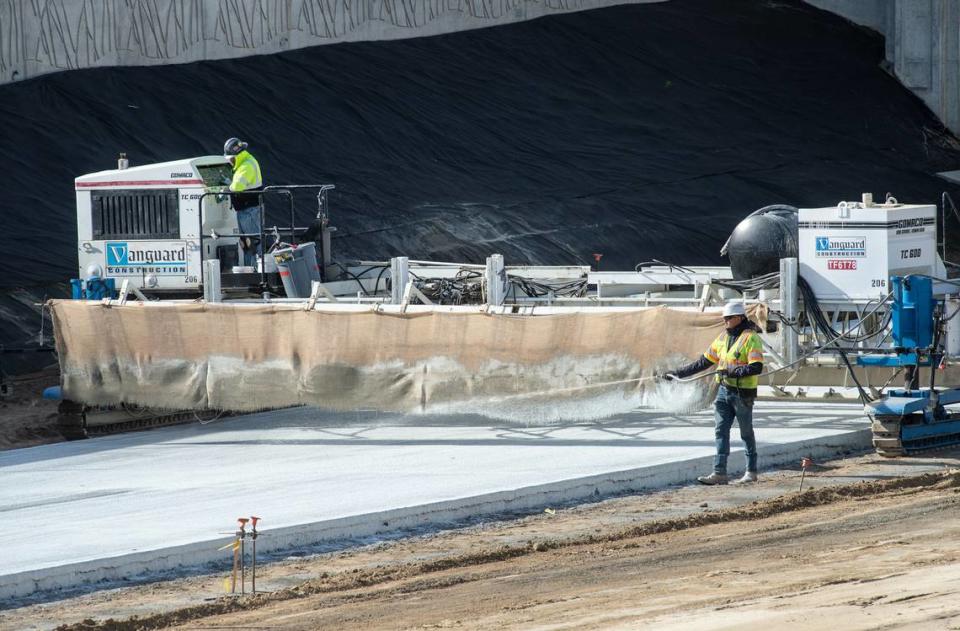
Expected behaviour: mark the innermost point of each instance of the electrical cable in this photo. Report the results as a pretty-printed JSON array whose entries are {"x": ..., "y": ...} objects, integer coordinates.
[
  {"x": 464, "y": 286},
  {"x": 357, "y": 277},
  {"x": 819, "y": 321},
  {"x": 892, "y": 377},
  {"x": 934, "y": 362},
  {"x": 672, "y": 266},
  {"x": 952, "y": 315},
  {"x": 358, "y": 281},
  {"x": 376, "y": 285},
  {"x": 863, "y": 393},
  {"x": 536, "y": 288},
  {"x": 765, "y": 281}
]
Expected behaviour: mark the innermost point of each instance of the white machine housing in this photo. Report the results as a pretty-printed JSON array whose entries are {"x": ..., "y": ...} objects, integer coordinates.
[
  {"x": 142, "y": 223},
  {"x": 849, "y": 251}
]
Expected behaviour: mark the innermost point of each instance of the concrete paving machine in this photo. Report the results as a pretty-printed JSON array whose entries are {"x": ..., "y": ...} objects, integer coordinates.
[
  {"x": 155, "y": 226},
  {"x": 848, "y": 297}
]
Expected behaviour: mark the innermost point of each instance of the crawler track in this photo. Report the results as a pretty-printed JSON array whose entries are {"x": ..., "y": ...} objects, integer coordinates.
[
  {"x": 889, "y": 442},
  {"x": 77, "y": 421},
  {"x": 887, "y": 437}
]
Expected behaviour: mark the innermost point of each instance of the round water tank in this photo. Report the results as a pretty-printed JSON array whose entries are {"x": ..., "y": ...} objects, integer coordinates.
[{"x": 761, "y": 240}]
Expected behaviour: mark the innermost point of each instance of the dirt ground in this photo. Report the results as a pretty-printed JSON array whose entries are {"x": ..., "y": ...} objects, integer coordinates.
[
  {"x": 870, "y": 544},
  {"x": 26, "y": 418}
]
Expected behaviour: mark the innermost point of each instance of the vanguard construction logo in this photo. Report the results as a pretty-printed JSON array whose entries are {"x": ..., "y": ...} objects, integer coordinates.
[
  {"x": 146, "y": 257},
  {"x": 835, "y": 247}
]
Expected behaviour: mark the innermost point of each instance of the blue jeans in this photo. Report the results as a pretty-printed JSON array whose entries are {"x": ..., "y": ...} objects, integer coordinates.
[
  {"x": 729, "y": 406},
  {"x": 249, "y": 222}
]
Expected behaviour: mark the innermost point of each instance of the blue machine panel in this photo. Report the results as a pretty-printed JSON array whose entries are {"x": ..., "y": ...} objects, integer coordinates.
[
  {"x": 913, "y": 306},
  {"x": 912, "y": 322}
]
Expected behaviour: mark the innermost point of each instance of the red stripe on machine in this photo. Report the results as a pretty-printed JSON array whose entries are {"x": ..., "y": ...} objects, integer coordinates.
[{"x": 137, "y": 183}]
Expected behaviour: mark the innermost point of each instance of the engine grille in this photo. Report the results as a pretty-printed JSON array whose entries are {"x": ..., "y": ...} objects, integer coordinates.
[{"x": 138, "y": 214}]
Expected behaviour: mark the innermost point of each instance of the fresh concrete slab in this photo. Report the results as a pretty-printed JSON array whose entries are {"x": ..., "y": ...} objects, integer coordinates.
[{"x": 138, "y": 504}]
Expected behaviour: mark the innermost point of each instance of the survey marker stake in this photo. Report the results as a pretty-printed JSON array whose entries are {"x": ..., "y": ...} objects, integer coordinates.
[
  {"x": 806, "y": 462},
  {"x": 242, "y": 535},
  {"x": 253, "y": 536}
]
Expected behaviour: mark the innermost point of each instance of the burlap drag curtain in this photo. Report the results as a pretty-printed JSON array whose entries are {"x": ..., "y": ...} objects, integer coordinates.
[{"x": 252, "y": 357}]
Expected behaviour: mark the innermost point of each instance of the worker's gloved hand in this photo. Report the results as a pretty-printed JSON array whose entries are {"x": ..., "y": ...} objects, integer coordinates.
[{"x": 660, "y": 375}]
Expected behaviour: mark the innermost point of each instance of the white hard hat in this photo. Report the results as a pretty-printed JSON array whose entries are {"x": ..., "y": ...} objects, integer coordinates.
[
  {"x": 94, "y": 271},
  {"x": 734, "y": 308}
]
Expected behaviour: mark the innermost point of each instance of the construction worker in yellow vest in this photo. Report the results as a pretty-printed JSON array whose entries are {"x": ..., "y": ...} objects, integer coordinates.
[
  {"x": 737, "y": 354},
  {"x": 244, "y": 184}
]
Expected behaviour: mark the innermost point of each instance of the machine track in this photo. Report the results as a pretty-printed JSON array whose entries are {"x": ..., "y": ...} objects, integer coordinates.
[
  {"x": 77, "y": 421},
  {"x": 887, "y": 437},
  {"x": 888, "y": 432}
]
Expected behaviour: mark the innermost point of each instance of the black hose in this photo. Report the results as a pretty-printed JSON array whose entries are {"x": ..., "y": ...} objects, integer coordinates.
[
  {"x": 934, "y": 356},
  {"x": 816, "y": 317},
  {"x": 863, "y": 393},
  {"x": 819, "y": 321},
  {"x": 766, "y": 281}
]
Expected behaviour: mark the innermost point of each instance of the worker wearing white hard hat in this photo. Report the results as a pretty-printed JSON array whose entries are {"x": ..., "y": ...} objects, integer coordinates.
[
  {"x": 734, "y": 308},
  {"x": 737, "y": 354},
  {"x": 246, "y": 181}
]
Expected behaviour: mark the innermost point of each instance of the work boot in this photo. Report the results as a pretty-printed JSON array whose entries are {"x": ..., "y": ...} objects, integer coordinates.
[
  {"x": 748, "y": 478},
  {"x": 713, "y": 478}
]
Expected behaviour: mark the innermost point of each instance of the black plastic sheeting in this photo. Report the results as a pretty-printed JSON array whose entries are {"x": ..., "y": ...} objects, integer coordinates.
[
  {"x": 26, "y": 328},
  {"x": 639, "y": 132}
]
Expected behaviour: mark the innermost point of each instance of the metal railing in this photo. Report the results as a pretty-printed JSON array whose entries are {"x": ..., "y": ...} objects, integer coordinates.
[{"x": 292, "y": 230}]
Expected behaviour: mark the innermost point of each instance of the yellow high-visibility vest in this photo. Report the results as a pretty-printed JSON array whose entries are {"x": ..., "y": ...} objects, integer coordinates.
[
  {"x": 746, "y": 350},
  {"x": 246, "y": 173}
]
